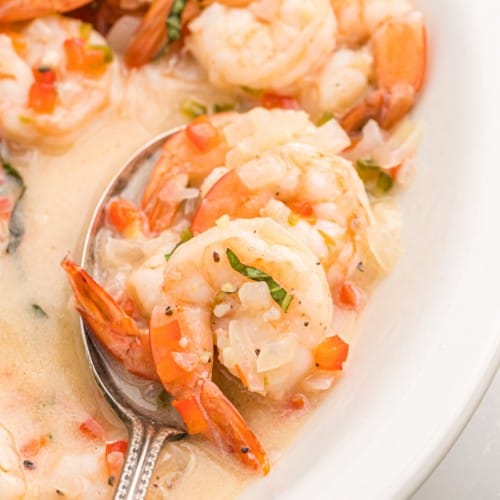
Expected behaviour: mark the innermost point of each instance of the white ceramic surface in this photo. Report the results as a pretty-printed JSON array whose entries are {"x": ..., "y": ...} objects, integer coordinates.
[{"x": 429, "y": 341}]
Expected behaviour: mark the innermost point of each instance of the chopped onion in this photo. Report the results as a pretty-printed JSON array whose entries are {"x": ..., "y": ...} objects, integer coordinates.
[
  {"x": 275, "y": 354},
  {"x": 120, "y": 34},
  {"x": 255, "y": 295}
]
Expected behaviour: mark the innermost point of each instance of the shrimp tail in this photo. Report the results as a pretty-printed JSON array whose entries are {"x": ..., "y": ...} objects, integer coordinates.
[
  {"x": 206, "y": 410},
  {"x": 16, "y": 10},
  {"x": 110, "y": 324}
]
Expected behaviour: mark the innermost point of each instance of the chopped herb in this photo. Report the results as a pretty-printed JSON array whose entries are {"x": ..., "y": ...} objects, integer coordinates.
[
  {"x": 106, "y": 50},
  {"x": 111, "y": 480},
  {"x": 28, "y": 464},
  {"x": 13, "y": 190},
  {"x": 251, "y": 91},
  {"x": 38, "y": 310},
  {"x": 163, "y": 400},
  {"x": 185, "y": 235},
  {"x": 293, "y": 219},
  {"x": 174, "y": 21},
  {"x": 384, "y": 182},
  {"x": 192, "y": 109},
  {"x": 219, "y": 298},
  {"x": 325, "y": 117},
  {"x": 377, "y": 181},
  {"x": 244, "y": 449},
  {"x": 27, "y": 120},
  {"x": 85, "y": 30},
  {"x": 279, "y": 294},
  {"x": 220, "y": 108}
]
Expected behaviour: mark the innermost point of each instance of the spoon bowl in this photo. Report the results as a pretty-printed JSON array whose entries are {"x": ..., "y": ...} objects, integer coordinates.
[{"x": 134, "y": 399}]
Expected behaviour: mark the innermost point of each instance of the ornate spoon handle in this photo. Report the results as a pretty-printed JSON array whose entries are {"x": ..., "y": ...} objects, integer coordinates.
[{"x": 145, "y": 444}]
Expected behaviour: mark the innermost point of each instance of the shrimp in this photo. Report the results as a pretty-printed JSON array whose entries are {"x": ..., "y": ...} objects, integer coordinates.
[
  {"x": 24, "y": 10},
  {"x": 268, "y": 45},
  {"x": 126, "y": 341},
  {"x": 234, "y": 283},
  {"x": 186, "y": 158},
  {"x": 143, "y": 352},
  {"x": 399, "y": 48},
  {"x": 54, "y": 76},
  {"x": 12, "y": 481},
  {"x": 319, "y": 198}
]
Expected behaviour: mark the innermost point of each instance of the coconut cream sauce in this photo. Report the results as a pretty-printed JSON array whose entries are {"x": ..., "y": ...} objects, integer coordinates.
[{"x": 47, "y": 388}]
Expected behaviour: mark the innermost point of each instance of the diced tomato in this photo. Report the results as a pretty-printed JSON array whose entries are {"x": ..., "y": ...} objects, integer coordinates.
[
  {"x": 348, "y": 296},
  {"x": 115, "y": 456},
  {"x": 92, "y": 429},
  {"x": 42, "y": 97},
  {"x": 164, "y": 336},
  {"x": 394, "y": 171},
  {"x": 203, "y": 134},
  {"x": 192, "y": 414},
  {"x": 125, "y": 217},
  {"x": 331, "y": 353},
  {"x": 272, "y": 101},
  {"x": 91, "y": 61},
  {"x": 44, "y": 75},
  {"x": 302, "y": 208}
]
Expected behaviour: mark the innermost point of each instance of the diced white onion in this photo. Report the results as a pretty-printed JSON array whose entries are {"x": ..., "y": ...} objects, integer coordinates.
[{"x": 255, "y": 295}]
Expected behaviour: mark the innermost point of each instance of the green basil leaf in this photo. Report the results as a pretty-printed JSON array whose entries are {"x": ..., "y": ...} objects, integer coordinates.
[{"x": 279, "y": 294}]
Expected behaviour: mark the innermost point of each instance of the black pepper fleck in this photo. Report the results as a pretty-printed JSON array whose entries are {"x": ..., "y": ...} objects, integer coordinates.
[
  {"x": 244, "y": 449},
  {"x": 111, "y": 480},
  {"x": 361, "y": 267},
  {"x": 60, "y": 493},
  {"x": 306, "y": 323},
  {"x": 257, "y": 352},
  {"x": 168, "y": 311},
  {"x": 216, "y": 257},
  {"x": 28, "y": 464}
]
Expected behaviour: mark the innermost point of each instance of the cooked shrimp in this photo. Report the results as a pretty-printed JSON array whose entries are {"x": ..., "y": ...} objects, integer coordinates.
[
  {"x": 268, "y": 45},
  {"x": 399, "y": 53},
  {"x": 187, "y": 157},
  {"x": 145, "y": 353},
  {"x": 126, "y": 341},
  {"x": 12, "y": 482},
  {"x": 233, "y": 282},
  {"x": 54, "y": 76},
  {"x": 318, "y": 197},
  {"x": 24, "y": 10}
]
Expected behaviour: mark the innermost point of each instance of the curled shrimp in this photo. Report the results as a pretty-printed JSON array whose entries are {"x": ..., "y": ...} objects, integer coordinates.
[
  {"x": 399, "y": 52},
  {"x": 12, "y": 481},
  {"x": 147, "y": 352},
  {"x": 52, "y": 80},
  {"x": 186, "y": 158},
  {"x": 24, "y": 10},
  {"x": 267, "y": 45},
  {"x": 319, "y": 197}
]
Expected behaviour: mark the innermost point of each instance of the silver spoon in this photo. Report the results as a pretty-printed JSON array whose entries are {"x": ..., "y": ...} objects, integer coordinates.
[{"x": 131, "y": 397}]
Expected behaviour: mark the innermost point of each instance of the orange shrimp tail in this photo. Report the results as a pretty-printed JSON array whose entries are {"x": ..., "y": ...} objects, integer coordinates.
[
  {"x": 110, "y": 324},
  {"x": 207, "y": 411},
  {"x": 151, "y": 35},
  {"x": 14, "y": 10},
  {"x": 400, "y": 52}
]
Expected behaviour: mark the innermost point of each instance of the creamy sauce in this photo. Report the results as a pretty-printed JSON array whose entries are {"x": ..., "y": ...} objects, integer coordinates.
[{"x": 48, "y": 390}]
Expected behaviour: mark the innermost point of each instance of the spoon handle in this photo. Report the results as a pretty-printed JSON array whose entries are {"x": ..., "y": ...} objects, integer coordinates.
[{"x": 146, "y": 442}]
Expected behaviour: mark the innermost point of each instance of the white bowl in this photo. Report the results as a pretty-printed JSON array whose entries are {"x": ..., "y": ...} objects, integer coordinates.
[{"x": 429, "y": 342}]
